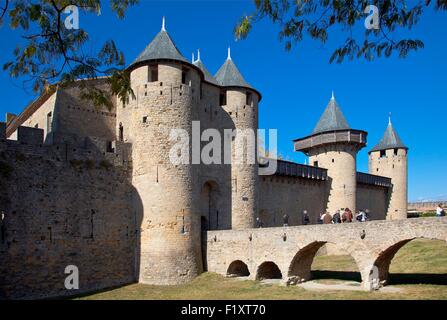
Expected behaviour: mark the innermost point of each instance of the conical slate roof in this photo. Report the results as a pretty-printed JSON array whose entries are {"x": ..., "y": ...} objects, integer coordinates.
[
  {"x": 390, "y": 140},
  {"x": 331, "y": 119},
  {"x": 161, "y": 47},
  {"x": 229, "y": 75},
  {"x": 208, "y": 77}
]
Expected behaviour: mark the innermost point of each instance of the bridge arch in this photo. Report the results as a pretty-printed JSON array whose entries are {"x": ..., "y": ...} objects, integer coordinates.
[
  {"x": 268, "y": 270},
  {"x": 300, "y": 268},
  {"x": 238, "y": 268},
  {"x": 385, "y": 257}
]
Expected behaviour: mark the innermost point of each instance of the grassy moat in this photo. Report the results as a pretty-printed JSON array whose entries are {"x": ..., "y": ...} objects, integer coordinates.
[{"x": 418, "y": 271}]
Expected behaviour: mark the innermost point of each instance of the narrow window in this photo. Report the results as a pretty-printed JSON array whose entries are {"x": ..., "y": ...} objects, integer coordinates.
[
  {"x": 109, "y": 146},
  {"x": 223, "y": 98},
  {"x": 382, "y": 153},
  {"x": 91, "y": 223},
  {"x": 395, "y": 151},
  {"x": 49, "y": 122},
  {"x": 2, "y": 227},
  {"x": 315, "y": 163},
  {"x": 154, "y": 73},
  {"x": 184, "y": 73},
  {"x": 333, "y": 160},
  {"x": 145, "y": 119},
  {"x": 121, "y": 132}
]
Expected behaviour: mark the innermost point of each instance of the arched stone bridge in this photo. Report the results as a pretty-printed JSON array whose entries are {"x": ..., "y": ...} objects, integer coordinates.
[{"x": 288, "y": 252}]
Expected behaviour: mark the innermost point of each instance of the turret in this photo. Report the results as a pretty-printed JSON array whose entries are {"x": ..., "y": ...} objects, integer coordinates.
[
  {"x": 240, "y": 101},
  {"x": 334, "y": 145},
  {"x": 167, "y": 89},
  {"x": 389, "y": 158}
]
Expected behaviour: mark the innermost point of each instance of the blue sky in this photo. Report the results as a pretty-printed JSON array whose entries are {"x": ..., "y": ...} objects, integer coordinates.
[{"x": 296, "y": 86}]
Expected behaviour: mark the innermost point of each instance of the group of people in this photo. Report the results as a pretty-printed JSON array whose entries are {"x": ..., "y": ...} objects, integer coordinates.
[
  {"x": 326, "y": 218},
  {"x": 346, "y": 217}
]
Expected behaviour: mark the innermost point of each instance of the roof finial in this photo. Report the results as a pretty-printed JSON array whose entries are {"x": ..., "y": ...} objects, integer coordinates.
[
  {"x": 229, "y": 54},
  {"x": 333, "y": 97},
  {"x": 193, "y": 60},
  {"x": 198, "y": 54},
  {"x": 163, "y": 24},
  {"x": 389, "y": 119}
]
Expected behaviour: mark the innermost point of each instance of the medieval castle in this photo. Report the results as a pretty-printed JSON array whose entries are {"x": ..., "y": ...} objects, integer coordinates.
[{"x": 95, "y": 187}]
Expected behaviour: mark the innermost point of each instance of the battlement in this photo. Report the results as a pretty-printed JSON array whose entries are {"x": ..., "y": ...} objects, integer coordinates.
[
  {"x": 350, "y": 136},
  {"x": 292, "y": 169},
  {"x": 164, "y": 92},
  {"x": 66, "y": 148},
  {"x": 371, "y": 179}
]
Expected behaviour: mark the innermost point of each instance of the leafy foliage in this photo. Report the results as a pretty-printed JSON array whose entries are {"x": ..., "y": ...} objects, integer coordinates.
[
  {"x": 54, "y": 54},
  {"x": 315, "y": 18}
]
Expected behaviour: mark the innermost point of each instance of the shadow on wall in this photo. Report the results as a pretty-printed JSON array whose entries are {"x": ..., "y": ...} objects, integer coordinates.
[{"x": 59, "y": 213}]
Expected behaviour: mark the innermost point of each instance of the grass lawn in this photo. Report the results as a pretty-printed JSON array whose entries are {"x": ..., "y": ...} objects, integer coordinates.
[{"x": 419, "y": 269}]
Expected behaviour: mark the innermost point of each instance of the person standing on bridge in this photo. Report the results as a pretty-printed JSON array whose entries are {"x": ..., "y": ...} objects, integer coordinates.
[
  {"x": 336, "y": 218},
  {"x": 440, "y": 211},
  {"x": 306, "y": 219},
  {"x": 285, "y": 220},
  {"x": 347, "y": 216},
  {"x": 327, "y": 218}
]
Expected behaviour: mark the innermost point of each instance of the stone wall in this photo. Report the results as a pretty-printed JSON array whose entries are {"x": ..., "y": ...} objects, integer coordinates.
[
  {"x": 373, "y": 198},
  {"x": 291, "y": 195},
  {"x": 60, "y": 211}
]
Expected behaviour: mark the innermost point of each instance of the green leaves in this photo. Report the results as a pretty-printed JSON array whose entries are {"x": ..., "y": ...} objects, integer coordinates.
[
  {"x": 54, "y": 54},
  {"x": 315, "y": 18}
]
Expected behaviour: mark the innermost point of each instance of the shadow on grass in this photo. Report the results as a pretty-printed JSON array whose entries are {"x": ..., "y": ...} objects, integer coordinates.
[
  {"x": 336, "y": 275},
  {"x": 418, "y": 278},
  {"x": 394, "y": 279}
]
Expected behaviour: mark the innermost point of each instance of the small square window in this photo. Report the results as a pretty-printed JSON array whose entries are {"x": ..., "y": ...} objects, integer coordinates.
[{"x": 145, "y": 119}]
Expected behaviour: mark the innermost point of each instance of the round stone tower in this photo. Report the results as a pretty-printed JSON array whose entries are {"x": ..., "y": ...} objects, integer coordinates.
[
  {"x": 240, "y": 101},
  {"x": 167, "y": 88},
  {"x": 389, "y": 158},
  {"x": 334, "y": 145}
]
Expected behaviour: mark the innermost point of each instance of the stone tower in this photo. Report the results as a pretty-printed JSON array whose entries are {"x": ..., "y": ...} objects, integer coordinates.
[
  {"x": 167, "y": 89},
  {"x": 240, "y": 101},
  {"x": 334, "y": 145},
  {"x": 389, "y": 158}
]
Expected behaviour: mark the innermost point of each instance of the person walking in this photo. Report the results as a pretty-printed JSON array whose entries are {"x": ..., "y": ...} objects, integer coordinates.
[
  {"x": 285, "y": 220},
  {"x": 361, "y": 216},
  {"x": 306, "y": 219},
  {"x": 320, "y": 220},
  {"x": 440, "y": 211},
  {"x": 347, "y": 216},
  {"x": 336, "y": 218},
  {"x": 327, "y": 218},
  {"x": 259, "y": 223}
]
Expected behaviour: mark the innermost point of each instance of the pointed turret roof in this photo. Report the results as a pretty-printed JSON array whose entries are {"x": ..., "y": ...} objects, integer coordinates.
[
  {"x": 229, "y": 75},
  {"x": 161, "y": 47},
  {"x": 332, "y": 118},
  {"x": 198, "y": 63},
  {"x": 390, "y": 140}
]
